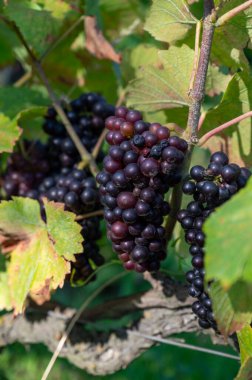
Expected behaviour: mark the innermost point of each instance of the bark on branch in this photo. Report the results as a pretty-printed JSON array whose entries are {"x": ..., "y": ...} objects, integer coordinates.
[{"x": 165, "y": 311}]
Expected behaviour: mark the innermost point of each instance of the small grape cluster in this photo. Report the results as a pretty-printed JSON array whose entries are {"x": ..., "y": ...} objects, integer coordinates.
[
  {"x": 49, "y": 170},
  {"x": 24, "y": 173},
  {"x": 87, "y": 115},
  {"x": 210, "y": 188},
  {"x": 143, "y": 162}
]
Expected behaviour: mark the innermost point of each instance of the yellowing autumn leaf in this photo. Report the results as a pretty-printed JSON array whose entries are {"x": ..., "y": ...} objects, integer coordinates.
[{"x": 41, "y": 257}]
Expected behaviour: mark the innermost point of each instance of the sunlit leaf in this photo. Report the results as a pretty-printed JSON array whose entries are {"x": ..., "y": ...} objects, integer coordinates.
[
  {"x": 9, "y": 133},
  {"x": 41, "y": 253},
  {"x": 169, "y": 20},
  {"x": 5, "y": 296},
  {"x": 235, "y": 102},
  {"x": 164, "y": 85}
]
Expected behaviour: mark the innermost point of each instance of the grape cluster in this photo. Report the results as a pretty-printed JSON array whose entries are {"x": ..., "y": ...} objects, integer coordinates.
[
  {"x": 49, "y": 170},
  {"x": 24, "y": 173},
  {"x": 210, "y": 188},
  {"x": 87, "y": 115},
  {"x": 143, "y": 162}
]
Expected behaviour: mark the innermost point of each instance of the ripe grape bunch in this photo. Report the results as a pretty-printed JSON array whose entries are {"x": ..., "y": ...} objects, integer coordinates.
[
  {"x": 210, "y": 188},
  {"x": 49, "y": 170},
  {"x": 143, "y": 162},
  {"x": 86, "y": 114}
]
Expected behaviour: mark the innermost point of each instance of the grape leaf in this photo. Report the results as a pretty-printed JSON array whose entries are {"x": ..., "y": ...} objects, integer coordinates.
[
  {"x": 169, "y": 20},
  {"x": 40, "y": 257},
  {"x": 38, "y": 26},
  {"x": 245, "y": 345},
  {"x": 9, "y": 133},
  {"x": 245, "y": 342},
  {"x": 14, "y": 100},
  {"x": 58, "y": 8},
  {"x": 217, "y": 82},
  {"x": 228, "y": 319},
  {"x": 235, "y": 102},
  {"x": 143, "y": 55},
  {"x": 226, "y": 259},
  {"x": 92, "y": 7},
  {"x": 5, "y": 297},
  {"x": 245, "y": 372},
  {"x": 67, "y": 231},
  {"x": 165, "y": 85},
  {"x": 20, "y": 105},
  {"x": 231, "y": 38}
]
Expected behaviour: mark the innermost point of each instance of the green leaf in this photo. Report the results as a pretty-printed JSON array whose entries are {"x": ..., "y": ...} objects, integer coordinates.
[
  {"x": 231, "y": 38},
  {"x": 228, "y": 319},
  {"x": 143, "y": 55},
  {"x": 164, "y": 86},
  {"x": 245, "y": 342},
  {"x": 169, "y": 20},
  {"x": 40, "y": 257},
  {"x": 66, "y": 233},
  {"x": 217, "y": 82},
  {"x": 8, "y": 43},
  {"x": 20, "y": 105},
  {"x": 235, "y": 102},
  {"x": 245, "y": 345},
  {"x": 14, "y": 100},
  {"x": 228, "y": 258},
  {"x": 20, "y": 217},
  {"x": 5, "y": 296},
  {"x": 66, "y": 70},
  {"x": 37, "y": 26},
  {"x": 9, "y": 133},
  {"x": 92, "y": 7},
  {"x": 58, "y": 8}
]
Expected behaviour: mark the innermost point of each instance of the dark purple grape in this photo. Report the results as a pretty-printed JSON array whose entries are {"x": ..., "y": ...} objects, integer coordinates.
[
  {"x": 116, "y": 153},
  {"x": 130, "y": 157},
  {"x": 126, "y": 200},
  {"x": 230, "y": 173},
  {"x": 172, "y": 155},
  {"x": 120, "y": 179},
  {"x": 197, "y": 261},
  {"x": 149, "y": 167},
  {"x": 89, "y": 196},
  {"x": 71, "y": 199},
  {"x": 133, "y": 116},
  {"x": 220, "y": 158},
  {"x": 197, "y": 173},
  {"x": 121, "y": 112},
  {"x": 187, "y": 222},
  {"x": 142, "y": 208},
  {"x": 209, "y": 189},
  {"x": 132, "y": 172},
  {"x": 129, "y": 216},
  {"x": 139, "y": 141},
  {"x": 139, "y": 254},
  {"x": 189, "y": 187}
]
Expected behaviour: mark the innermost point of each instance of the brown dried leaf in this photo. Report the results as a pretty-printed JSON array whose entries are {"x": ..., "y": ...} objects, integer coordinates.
[{"x": 96, "y": 43}]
